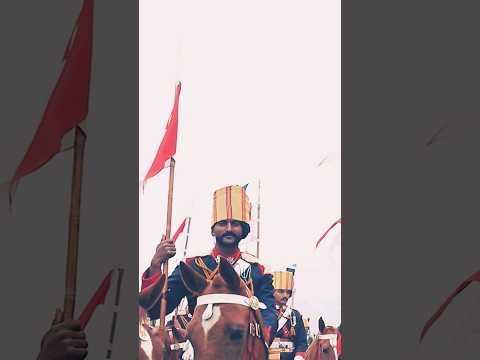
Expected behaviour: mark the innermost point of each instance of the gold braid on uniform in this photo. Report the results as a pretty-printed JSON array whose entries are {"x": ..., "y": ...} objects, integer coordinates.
[
  {"x": 249, "y": 284},
  {"x": 209, "y": 274},
  {"x": 293, "y": 322}
]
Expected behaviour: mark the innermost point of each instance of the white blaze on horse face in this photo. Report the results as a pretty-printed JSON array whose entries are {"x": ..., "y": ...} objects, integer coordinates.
[{"x": 208, "y": 324}]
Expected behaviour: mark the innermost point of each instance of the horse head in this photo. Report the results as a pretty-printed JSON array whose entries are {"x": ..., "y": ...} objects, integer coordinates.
[
  {"x": 329, "y": 337},
  {"x": 226, "y": 323},
  {"x": 323, "y": 347}
]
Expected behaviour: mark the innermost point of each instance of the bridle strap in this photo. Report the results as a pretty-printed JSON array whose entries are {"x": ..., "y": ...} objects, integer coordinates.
[{"x": 212, "y": 299}]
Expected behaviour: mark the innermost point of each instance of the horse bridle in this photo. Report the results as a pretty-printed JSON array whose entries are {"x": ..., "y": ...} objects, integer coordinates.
[
  {"x": 175, "y": 346},
  {"x": 213, "y": 299},
  {"x": 251, "y": 302},
  {"x": 333, "y": 341}
]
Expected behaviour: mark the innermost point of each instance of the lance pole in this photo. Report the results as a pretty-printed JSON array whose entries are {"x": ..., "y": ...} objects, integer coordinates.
[
  {"x": 115, "y": 312},
  {"x": 258, "y": 221},
  {"x": 74, "y": 225},
  {"x": 186, "y": 240},
  {"x": 163, "y": 300}
]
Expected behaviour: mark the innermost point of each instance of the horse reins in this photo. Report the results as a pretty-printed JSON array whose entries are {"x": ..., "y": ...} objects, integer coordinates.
[{"x": 255, "y": 329}]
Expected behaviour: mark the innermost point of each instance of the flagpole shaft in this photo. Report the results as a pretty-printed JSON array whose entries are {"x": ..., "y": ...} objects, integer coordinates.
[
  {"x": 258, "y": 221},
  {"x": 163, "y": 301},
  {"x": 186, "y": 240},
  {"x": 115, "y": 313},
  {"x": 74, "y": 225}
]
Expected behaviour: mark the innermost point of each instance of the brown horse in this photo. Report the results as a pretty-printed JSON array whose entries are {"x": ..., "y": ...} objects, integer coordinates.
[
  {"x": 322, "y": 348},
  {"x": 151, "y": 341},
  {"x": 162, "y": 343},
  {"x": 226, "y": 323},
  {"x": 158, "y": 343}
]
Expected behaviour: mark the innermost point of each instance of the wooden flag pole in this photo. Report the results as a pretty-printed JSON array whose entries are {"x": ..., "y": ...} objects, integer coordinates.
[
  {"x": 258, "y": 221},
  {"x": 184, "y": 256},
  {"x": 74, "y": 225},
  {"x": 163, "y": 300}
]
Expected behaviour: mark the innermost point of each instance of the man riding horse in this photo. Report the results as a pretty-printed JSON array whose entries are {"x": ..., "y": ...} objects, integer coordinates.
[
  {"x": 230, "y": 224},
  {"x": 290, "y": 342}
]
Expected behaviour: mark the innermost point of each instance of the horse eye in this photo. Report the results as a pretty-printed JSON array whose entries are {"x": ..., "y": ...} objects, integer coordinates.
[{"x": 235, "y": 333}]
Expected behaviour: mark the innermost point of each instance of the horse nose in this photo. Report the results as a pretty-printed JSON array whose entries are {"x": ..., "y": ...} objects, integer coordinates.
[{"x": 235, "y": 332}]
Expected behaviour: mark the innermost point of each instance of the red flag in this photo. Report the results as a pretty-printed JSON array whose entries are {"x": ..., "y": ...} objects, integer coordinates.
[
  {"x": 97, "y": 299},
  {"x": 339, "y": 221},
  {"x": 443, "y": 307},
  {"x": 179, "y": 230},
  {"x": 168, "y": 146},
  {"x": 339, "y": 343},
  {"x": 68, "y": 103}
]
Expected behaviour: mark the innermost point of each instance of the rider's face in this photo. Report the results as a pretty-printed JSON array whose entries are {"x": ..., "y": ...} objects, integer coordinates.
[
  {"x": 281, "y": 296},
  {"x": 228, "y": 232}
]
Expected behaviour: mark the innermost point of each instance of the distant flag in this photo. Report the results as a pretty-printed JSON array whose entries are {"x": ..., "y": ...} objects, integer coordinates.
[
  {"x": 322, "y": 161},
  {"x": 449, "y": 128},
  {"x": 443, "y": 307},
  {"x": 168, "y": 146},
  {"x": 179, "y": 230},
  {"x": 339, "y": 221},
  {"x": 97, "y": 299},
  {"x": 68, "y": 103}
]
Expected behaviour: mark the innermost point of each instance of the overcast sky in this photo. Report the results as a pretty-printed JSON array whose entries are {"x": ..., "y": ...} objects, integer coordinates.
[{"x": 260, "y": 101}]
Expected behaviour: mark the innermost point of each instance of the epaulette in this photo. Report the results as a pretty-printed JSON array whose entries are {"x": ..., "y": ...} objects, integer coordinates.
[
  {"x": 254, "y": 260},
  {"x": 250, "y": 258},
  {"x": 190, "y": 260},
  {"x": 296, "y": 312}
]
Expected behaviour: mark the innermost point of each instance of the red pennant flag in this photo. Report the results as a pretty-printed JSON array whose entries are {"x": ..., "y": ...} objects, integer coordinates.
[
  {"x": 179, "y": 230},
  {"x": 339, "y": 344},
  {"x": 168, "y": 146},
  {"x": 443, "y": 307},
  {"x": 68, "y": 103},
  {"x": 97, "y": 299},
  {"x": 339, "y": 221}
]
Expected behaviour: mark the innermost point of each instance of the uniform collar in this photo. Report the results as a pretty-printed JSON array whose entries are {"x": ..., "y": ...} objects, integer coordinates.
[
  {"x": 281, "y": 309},
  {"x": 231, "y": 259}
]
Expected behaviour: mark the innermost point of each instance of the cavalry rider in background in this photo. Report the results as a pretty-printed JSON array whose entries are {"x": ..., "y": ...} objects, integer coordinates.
[
  {"x": 229, "y": 225},
  {"x": 290, "y": 342}
]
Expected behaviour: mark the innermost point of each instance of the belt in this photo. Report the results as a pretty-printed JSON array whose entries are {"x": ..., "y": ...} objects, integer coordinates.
[{"x": 282, "y": 345}]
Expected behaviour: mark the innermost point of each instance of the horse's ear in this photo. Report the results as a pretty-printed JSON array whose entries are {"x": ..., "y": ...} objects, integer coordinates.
[
  {"x": 229, "y": 274},
  {"x": 193, "y": 281}
]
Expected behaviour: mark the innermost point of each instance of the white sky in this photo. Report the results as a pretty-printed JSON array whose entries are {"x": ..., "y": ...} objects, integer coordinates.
[{"x": 260, "y": 101}]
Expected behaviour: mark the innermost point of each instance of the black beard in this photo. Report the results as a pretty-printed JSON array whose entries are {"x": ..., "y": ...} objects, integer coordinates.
[{"x": 228, "y": 233}]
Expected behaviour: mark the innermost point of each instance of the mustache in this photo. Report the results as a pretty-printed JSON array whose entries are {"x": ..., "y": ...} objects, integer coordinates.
[{"x": 229, "y": 233}]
